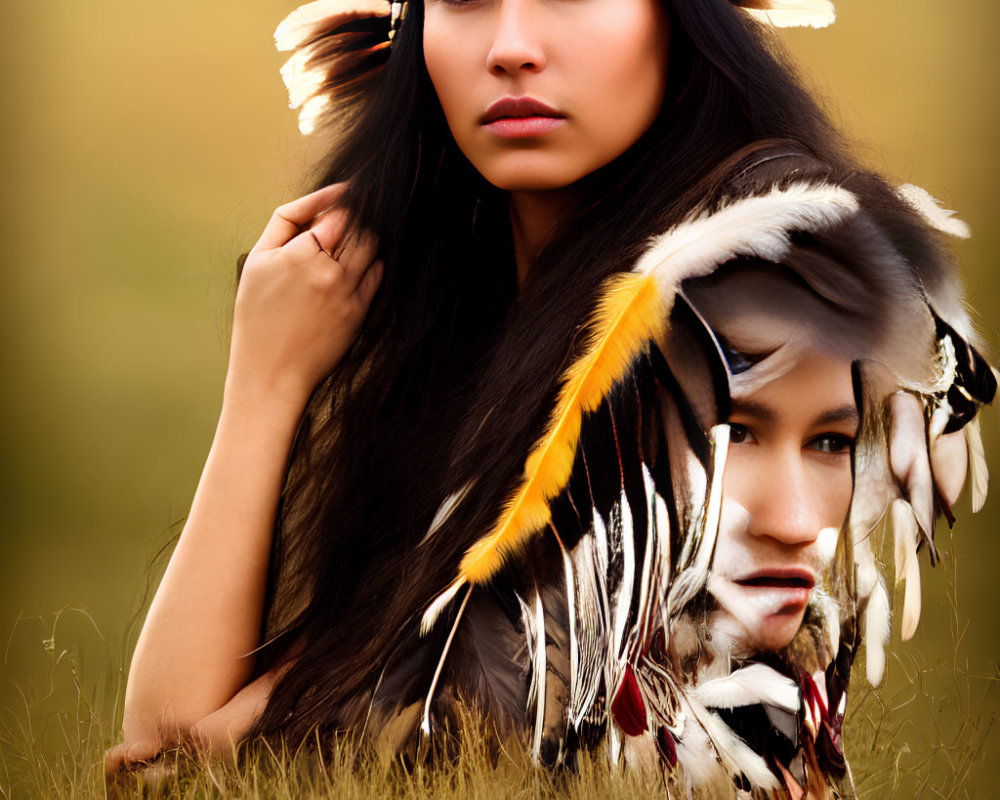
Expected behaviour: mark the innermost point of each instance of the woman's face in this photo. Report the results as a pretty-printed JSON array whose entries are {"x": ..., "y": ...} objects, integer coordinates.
[
  {"x": 787, "y": 490},
  {"x": 540, "y": 93}
]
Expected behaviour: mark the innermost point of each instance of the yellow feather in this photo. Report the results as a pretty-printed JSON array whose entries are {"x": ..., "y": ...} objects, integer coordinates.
[{"x": 631, "y": 313}]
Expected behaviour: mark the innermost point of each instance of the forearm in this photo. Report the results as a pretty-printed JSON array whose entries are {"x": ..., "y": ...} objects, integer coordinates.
[
  {"x": 193, "y": 654},
  {"x": 297, "y": 311}
]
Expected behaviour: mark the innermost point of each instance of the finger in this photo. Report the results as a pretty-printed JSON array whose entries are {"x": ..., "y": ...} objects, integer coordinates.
[
  {"x": 303, "y": 246},
  {"x": 358, "y": 254},
  {"x": 328, "y": 228},
  {"x": 370, "y": 282},
  {"x": 128, "y": 754},
  {"x": 289, "y": 219}
]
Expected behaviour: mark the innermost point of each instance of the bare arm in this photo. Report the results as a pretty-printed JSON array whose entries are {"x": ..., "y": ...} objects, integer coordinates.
[{"x": 297, "y": 310}]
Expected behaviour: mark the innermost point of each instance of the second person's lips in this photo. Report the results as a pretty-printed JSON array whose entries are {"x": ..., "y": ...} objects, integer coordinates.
[{"x": 792, "y": 578}]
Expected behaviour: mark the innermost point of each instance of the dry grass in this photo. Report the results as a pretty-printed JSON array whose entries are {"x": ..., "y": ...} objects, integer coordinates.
[{"x": 926, "y": 733}]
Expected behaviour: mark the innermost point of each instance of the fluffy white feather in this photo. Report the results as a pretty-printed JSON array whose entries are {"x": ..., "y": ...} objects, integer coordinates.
[
  {"x": 759, "y": 226},
  {"x": 299, "y": 26},
  {"x": 796, "y": 13},
  {"x": 749, "y": 686},
  {"x": 932, "y": 210}
]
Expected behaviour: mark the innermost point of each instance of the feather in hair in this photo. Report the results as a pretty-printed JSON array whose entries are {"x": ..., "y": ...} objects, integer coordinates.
[
  {"x": 310, "y": 21},
  {"x": 933, "y": 211},
  {"x": 792, "y": 13},
  {"x": 326, "y": 54}
]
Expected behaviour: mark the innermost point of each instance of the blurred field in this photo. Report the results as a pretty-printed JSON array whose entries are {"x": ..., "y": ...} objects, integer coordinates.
[{"x": 144, "y": 146}]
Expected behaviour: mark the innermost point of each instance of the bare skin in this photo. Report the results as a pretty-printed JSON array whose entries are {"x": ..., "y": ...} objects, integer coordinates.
[{"x": 303, "y": 294}]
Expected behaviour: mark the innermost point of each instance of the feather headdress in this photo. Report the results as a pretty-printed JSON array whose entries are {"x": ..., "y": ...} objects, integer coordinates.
[
  {"x": 338, "y": 45},
  {"x": 624, "y": 490}
]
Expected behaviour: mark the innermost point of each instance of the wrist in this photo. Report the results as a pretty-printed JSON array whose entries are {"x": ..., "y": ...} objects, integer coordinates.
[{"x": 272, "y": 404}]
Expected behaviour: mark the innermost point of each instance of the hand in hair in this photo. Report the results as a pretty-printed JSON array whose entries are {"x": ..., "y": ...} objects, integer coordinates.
[{"x": 304, "y": 292}]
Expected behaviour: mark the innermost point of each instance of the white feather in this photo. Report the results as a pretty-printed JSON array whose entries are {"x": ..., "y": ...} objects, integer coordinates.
[
  {"x": 909, "y": 459},
  {"x": 446, "y": 509},
  {"x": 828, "y": 610},
  {"x": 302, "y": 23},
  {"x": 623, "y": 594},
  {"x": 647, "y": 577},
  {"x": 796, "y": 13},
  {"x": 693, "y": 577},
  {"x": 904, "y": 531},
  {"x": 749, "y": 686},
  {"x": 979, "y": 473},
  {"x": 877, "y": 628},
  {"x": 301, "y": 82},
  {"x": 571, "y": 614},
  {"x": 662, "y": 517},
  {"x": 734, "y": 753},
  {"x": 439, "y": 604},
  {"x": 539, "y": 667},
  {"x": 425, "y": 724},
  {"x": 311, "y": 112},
  {"x": 759, "y": 226},
  {"x": 932, "y": 210}
]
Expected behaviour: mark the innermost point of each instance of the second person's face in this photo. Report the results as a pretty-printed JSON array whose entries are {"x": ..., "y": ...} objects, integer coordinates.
[
  {"x": 787, "y": 490},
  {"x": 540, "y": 93}
]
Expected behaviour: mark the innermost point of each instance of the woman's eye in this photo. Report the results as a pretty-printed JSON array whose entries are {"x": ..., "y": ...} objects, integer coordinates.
[
  {"x": 833, "y": 443},
  {"x": 739, "y": 434}
]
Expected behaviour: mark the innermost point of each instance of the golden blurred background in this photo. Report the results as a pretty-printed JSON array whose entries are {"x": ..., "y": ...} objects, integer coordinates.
[{"x": 143, "y": 148}]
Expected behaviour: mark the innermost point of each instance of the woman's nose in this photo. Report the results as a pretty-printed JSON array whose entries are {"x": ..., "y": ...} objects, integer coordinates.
[
  {"x": 516, "y": 42},
  {"x": 785, "y": 504}
]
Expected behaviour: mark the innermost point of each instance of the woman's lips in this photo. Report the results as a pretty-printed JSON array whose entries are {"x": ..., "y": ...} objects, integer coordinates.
[{"x": 521, "y": 117}]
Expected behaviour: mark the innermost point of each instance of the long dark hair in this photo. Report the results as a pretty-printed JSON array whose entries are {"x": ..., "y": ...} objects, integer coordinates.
[{"x": 455, "y": 369}]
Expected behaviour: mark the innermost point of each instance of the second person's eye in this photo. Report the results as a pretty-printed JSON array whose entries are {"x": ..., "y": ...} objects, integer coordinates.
[
  {"x": 833, "y": 443},
  {"x": 739, "y": 434}
]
